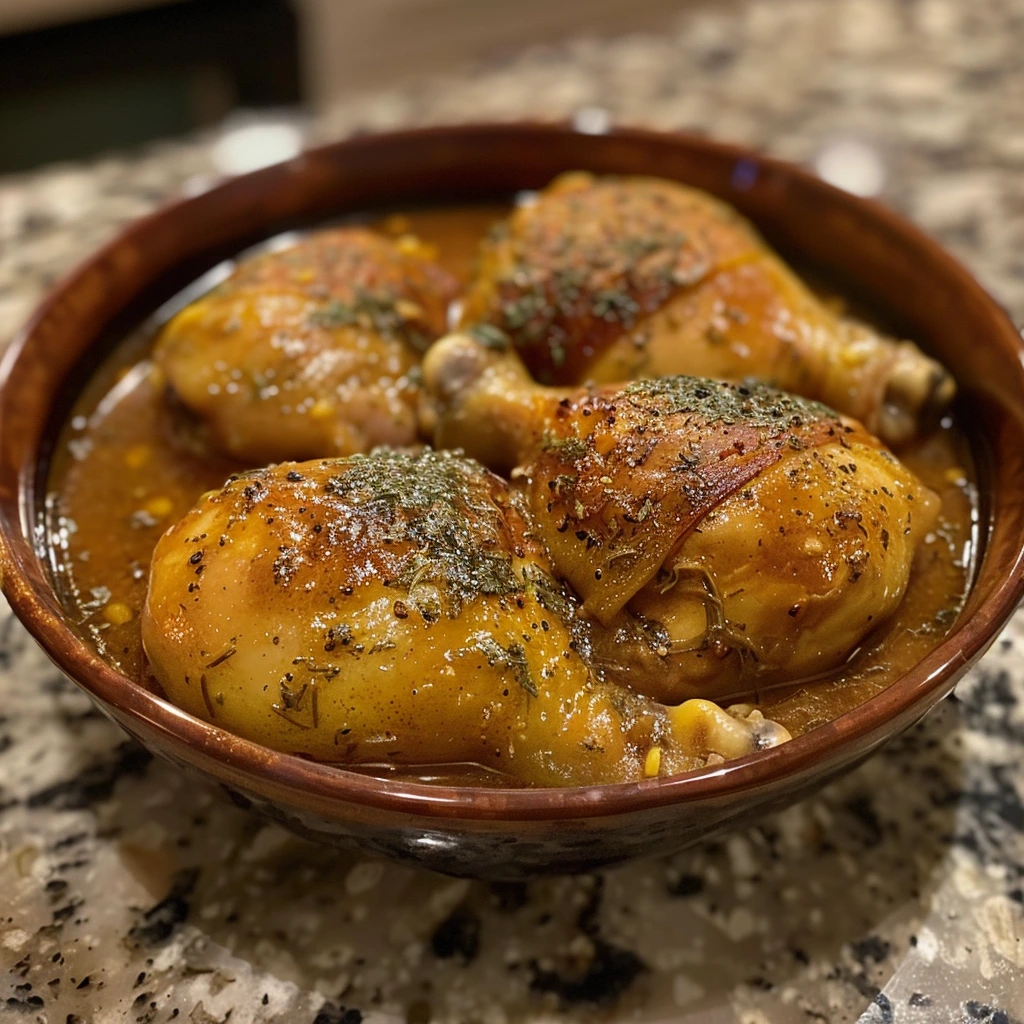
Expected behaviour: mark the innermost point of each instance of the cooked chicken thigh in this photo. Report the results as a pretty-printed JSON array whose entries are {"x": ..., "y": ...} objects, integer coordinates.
[
  {"x": 722, "y": 537},
  {"x": 605, "y": 279},
  {"x": 395, "y": 608},
  {"x": 312, "y": 350}
]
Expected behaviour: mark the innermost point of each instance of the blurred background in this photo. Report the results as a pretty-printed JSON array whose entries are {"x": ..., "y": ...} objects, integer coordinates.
[
  {"x": 78, "y": 77},
  {"x": 108, "y": 107}
]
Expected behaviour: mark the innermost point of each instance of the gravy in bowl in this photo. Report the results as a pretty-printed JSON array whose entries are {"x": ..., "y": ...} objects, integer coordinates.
[{"x": 130, "y": 463}]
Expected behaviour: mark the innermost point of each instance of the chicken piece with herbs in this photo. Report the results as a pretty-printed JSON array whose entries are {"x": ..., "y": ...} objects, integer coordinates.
[
  {"x": 722, "y": 537},
  {"x": 611, "y": 279},
  {"x": 396, "y": 609},
  {"x": 312, "y": 350}
]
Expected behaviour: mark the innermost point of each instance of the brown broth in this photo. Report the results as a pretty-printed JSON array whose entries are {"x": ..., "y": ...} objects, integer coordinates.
[{"x": 123, "y": 471}]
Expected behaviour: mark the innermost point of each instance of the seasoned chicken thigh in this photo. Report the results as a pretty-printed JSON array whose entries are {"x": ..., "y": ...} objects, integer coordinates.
[
  {"x": 722, "y": 537},
  {"x": 312, "y": 350},
  {"x": 395, "y": 608},
  {"x": 605, "y": 279}
]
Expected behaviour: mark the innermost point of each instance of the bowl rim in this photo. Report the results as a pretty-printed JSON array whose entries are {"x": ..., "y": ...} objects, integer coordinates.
[{"x": 904, "y": 699}]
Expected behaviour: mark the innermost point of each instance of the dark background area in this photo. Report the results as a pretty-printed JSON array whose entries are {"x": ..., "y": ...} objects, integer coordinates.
[
  {"x": 85, "y": 77},
  {"x": 75, "y": 89}
]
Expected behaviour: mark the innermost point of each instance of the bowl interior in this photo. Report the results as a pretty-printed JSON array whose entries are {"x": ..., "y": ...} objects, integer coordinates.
[{"x": 861, "y": 249}]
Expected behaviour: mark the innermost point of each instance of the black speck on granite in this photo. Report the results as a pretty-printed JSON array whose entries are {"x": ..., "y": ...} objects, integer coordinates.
[
  {"x": 160, "y": 920},
  {"x": 884, "y": 1009},
  {"x": 458, "y": 935},
  {"x": 871, "y": 949},
  {"x": 94, "y": 783},
  {"x": 685, "y": 885},
  {"x": 977, "y": 1011},
  {"x": 608, "y": 971},
  {"x": 331, "y": 1014}
]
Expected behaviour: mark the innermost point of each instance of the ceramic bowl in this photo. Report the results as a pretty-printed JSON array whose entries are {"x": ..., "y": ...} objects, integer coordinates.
[{"x": 859, "y": 247}]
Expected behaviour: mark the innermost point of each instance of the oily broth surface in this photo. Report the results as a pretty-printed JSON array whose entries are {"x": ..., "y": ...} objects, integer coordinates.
[{"x": 124, "y": 471}]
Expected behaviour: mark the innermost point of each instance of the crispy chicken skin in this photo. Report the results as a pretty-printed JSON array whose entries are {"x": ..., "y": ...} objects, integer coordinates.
[
  {"x": 721, "y": 537},
  {"x": 607, "y": 279},
  {"x": 309, "y": 351},
  {"x": 395, "y": 608}
]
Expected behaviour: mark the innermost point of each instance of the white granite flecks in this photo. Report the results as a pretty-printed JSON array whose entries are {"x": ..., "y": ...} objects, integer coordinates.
[
  {"x": 896, "y": 895},
  {"x": 129, "y": 894}
]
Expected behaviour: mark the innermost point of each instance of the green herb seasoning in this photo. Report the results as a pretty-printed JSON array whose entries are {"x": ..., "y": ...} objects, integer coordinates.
[
  {"x": 752, "y": 403},
  {"x": 443, "y": 506}
]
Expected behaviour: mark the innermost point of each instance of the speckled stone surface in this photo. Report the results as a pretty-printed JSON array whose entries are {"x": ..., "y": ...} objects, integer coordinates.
[{"x": 896, "y": 895}]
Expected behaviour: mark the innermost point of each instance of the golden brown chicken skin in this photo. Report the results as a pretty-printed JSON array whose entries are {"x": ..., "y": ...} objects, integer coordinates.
[
  {"x": 396, "y": 609},
  {"x": 309, "y": 351},
  {"x": 721, "y": 537},
  {"x": 607, "y": 279}
]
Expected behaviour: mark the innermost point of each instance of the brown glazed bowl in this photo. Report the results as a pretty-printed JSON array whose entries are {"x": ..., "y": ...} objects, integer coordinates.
[{"x": 860, "y": 248}]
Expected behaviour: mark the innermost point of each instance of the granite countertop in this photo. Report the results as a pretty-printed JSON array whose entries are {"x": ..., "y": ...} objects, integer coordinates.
[{"x": 895, "y": 895}]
